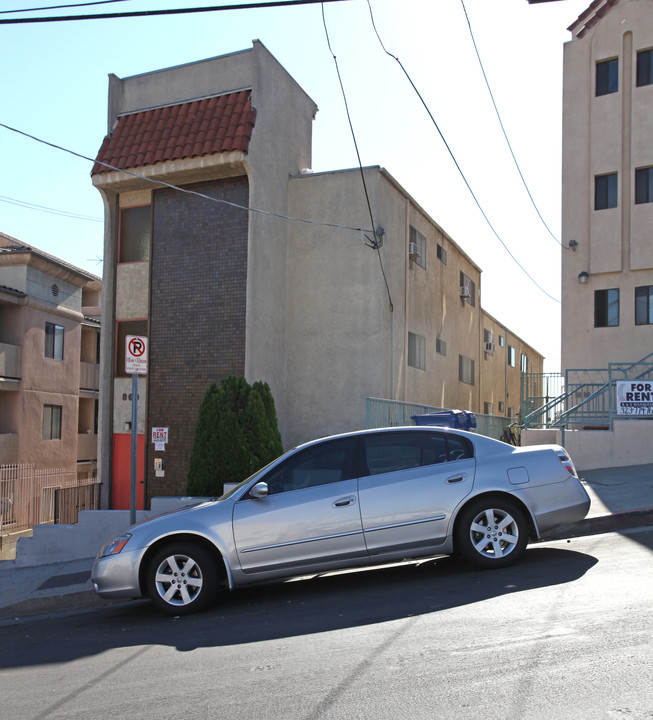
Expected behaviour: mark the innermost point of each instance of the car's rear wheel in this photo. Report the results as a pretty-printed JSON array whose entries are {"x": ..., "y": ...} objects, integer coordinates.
[
  {"x": 492, "y": 532},
  {"x": 182, "y": 579}
]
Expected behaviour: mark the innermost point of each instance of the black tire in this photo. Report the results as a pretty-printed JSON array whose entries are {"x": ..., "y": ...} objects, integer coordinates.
[
  {"x": 182, "y": 579},
  {"x": 492, "y": 532}
]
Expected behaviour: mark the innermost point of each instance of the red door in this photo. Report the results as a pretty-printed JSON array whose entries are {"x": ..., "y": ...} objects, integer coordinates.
[{"x": 121, "y": 475}]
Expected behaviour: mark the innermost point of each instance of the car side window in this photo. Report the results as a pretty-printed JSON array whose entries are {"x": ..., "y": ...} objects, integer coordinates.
[
  {"x": 458, "y": 448},
  {"x": 390, "y": 452},
  {"x": 321, "y": 464}
]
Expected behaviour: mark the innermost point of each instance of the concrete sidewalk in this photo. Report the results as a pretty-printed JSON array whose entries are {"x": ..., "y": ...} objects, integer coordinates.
[{"x": 621, "y": 498}]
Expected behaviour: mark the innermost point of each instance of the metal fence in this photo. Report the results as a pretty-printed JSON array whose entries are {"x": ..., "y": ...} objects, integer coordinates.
[
  {"x": 395, "y": 413},
  {"x": 31, "y": 497}
]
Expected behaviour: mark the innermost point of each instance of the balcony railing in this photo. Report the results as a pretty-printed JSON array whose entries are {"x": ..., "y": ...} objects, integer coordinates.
[
  {"x": 89, "y": 376},
  {"x": 10, "y": 359},
  {"x": 86, "y": 446}
]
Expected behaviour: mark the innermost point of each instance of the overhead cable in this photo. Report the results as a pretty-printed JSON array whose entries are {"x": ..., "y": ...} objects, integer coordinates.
[
  {"x": 62, "y": 7},
  {"x": 377, "y": 242},
  {"x": 162, "y": 183},
  {"x": 174, "y": 11},
  {"x": 42, "y": 208},
  {"x": 505, "y": 135},
  {"x": 462, "y": 175}
]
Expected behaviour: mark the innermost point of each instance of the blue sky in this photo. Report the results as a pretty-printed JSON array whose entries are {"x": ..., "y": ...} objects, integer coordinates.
[{"x": 54, "y": 86}]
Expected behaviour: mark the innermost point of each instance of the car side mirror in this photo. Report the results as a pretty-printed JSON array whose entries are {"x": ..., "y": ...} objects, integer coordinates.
[{"x": 260, "y": 490}]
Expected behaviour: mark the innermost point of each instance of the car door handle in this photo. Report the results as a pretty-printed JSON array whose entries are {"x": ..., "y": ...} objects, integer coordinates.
[
  {"x": 456, "y": 479},
  {"x": 344, "y": 502}
]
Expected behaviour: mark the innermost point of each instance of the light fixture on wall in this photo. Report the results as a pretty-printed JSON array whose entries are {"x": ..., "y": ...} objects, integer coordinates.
[
  {"x": 583, "y": 277},
  {"x": 128, "y": 426}
]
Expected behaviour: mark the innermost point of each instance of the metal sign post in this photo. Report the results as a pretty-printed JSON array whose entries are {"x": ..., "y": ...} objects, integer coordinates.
[{"x": 136, "y": 364}]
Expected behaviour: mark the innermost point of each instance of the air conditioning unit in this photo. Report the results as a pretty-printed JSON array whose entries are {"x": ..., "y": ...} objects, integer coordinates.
[
  {"x": 490, "y": 347},
  {"x": 465, "y": 292},
  {"x": 413, "y": 251}
]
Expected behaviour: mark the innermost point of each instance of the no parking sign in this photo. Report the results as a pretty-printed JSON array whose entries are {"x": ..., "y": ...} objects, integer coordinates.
[{"x": 135, "y": 355}]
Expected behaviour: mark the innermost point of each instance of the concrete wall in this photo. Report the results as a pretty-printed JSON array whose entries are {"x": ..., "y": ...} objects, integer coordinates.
[{"x": 628, "y": 444}]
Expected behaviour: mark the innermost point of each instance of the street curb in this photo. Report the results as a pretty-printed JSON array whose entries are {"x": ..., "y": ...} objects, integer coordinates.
[{"x": 602, "y": 524}]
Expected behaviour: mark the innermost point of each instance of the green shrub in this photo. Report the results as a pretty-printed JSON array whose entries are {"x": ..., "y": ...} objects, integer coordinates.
[{"x": 236, "y": 434}]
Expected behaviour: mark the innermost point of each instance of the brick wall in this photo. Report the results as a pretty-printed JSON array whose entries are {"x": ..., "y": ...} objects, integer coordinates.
[{"x": 197, "y": 314}]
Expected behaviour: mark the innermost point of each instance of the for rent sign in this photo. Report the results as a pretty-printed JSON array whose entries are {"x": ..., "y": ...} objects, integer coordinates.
[{"x": 635, "y": 397}]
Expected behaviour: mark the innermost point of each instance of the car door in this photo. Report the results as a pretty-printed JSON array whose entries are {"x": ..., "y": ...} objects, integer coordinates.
[
  {"x": 409, "y": 488},
  {"x": 310, "y": 518}
]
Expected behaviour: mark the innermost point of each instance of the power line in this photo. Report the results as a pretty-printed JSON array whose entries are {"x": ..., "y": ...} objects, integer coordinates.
[
  {"x": 162, "y": 183},
  {"x": 62, "y": 7},
  {"x": 377, "y": 242},
  {"x": 42, "y": 208},
  {"x": 175, "y": 11},
  {"x": 462, "y": 175},
  {"x": 505, "y": 135}
]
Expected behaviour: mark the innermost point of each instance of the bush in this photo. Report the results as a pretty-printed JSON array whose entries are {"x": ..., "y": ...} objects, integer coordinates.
[{"x": 236, "y": 435}]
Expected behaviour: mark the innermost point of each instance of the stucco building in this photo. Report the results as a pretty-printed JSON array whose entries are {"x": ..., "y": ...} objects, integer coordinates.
[
  {"x": 253, "y": 265},
  {"x": 607, "y": 202},
  {"x": 49, "y": 361}
]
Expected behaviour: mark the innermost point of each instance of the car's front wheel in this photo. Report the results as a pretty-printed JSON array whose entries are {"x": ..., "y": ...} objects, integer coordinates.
[
  {"x": 182, "y": 579},
  {"x": 492, "y": 532}
]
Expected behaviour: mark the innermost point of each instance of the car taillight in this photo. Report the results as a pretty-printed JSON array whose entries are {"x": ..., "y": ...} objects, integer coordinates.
[{"x": 567, "y": 462}]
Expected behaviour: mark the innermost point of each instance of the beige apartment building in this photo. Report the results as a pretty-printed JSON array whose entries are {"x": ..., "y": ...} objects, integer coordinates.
[
  {"x": 49, "y": 361},
  {"x": 245, "y": 262},
  {"x": 607, "y": 205}
]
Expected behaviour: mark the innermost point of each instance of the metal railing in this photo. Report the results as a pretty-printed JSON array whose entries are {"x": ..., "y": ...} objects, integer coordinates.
[
  {"x": 381, "y": 413},
  {"x": 31, "y": 497},
  {"x": 587, "y": 397}
]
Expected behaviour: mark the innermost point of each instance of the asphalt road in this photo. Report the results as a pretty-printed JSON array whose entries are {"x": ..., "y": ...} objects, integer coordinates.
[{"x": 566, "y": 633}]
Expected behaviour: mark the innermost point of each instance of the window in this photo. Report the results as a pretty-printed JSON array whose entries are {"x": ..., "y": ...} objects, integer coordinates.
[
  {"x": 607, "y": 77},
  {"x": 511, "y": 356},
  {"x": 442, "y": 254},
  {"x": 605, "y": 191},
  {"x": 416, "y": 351},
  {"x": 502, "y": 407},
  {"x": 524, "y": 363},
  {"x": 469, "y": 292},
  {"x": 53, "y": 341},
  {"x": 502, "y": 341},
  {"x": 644, "y": 305},
  {"x": 488, "y": 408},
  {"x": 606, "y": 308},
  {"x": 394, "y": 452},
  {"x": 135, "y": 234},
  {"x": 417, "y": 249},
  {"x": 52, "y": 422},
  {"x": 644, "y": 68},
  {"x": 322, "y": 464},
  {"x": 440, "y": 346},
  {"x": 644, "y": 185},
  {"x": 465, "y": 370},
  {"x": 125, "y": 328}
]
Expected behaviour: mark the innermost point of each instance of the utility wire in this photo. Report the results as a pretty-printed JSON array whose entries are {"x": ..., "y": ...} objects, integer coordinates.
[
  {"x": 62, "y": 7},
  {"x": 462, "y": 175},
  {"x": 42, "y": 208},
  {"x": 505, "y": 135},
  {"x": 175, "y": 11},
  {"x": 377, "y": 242},
  {"x": 154, "y": 181}
]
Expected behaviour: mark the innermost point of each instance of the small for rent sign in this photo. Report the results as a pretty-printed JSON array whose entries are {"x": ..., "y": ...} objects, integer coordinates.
[{"x": 635, "y": 397}]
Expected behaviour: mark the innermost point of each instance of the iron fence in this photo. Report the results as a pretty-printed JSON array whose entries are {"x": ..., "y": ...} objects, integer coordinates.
[
  {"x": 31, "y": 497},
  {"x": 381, "y": 413}
]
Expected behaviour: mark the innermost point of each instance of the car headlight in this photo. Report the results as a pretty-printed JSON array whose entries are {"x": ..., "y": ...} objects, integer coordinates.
[{"x": 115, "y": 545}]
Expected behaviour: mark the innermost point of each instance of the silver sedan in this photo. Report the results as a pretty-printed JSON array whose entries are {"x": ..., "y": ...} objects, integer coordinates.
[{"x": 350, "y": 500}]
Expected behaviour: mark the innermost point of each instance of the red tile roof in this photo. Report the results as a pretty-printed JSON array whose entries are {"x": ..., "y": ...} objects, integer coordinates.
[{"x": 191, "y": 129}]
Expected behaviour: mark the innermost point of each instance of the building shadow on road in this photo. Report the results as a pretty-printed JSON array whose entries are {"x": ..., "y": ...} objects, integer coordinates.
[{"x": 318, "y": 604}]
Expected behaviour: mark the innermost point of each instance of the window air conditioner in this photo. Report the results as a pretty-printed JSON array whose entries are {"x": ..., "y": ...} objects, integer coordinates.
[
  {"x": 413, "y": 251},
  {"x": 465, "y": 292},
  {"x": 490, "y": 347}
]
